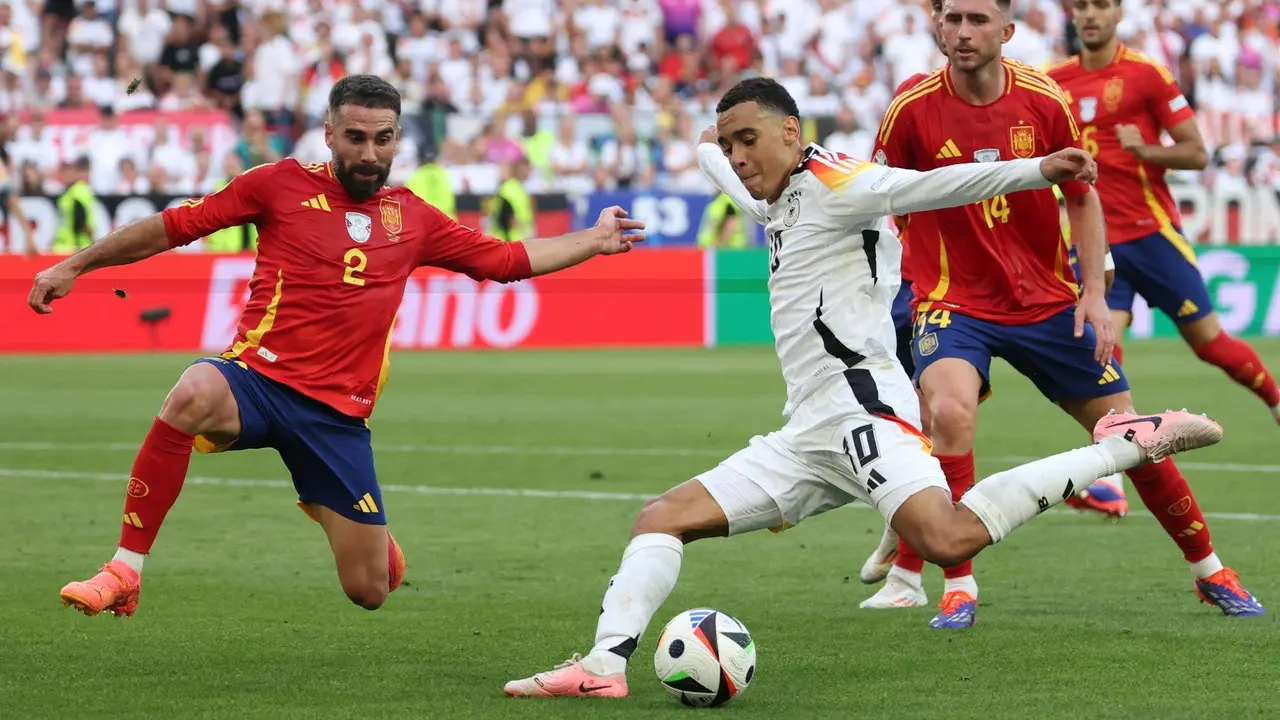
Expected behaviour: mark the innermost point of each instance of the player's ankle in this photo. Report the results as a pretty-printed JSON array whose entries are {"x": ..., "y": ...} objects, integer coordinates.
[
  {"x": 908, "y": 577},
  {"x": 1206, "y": 567},
  {"x": 603, "y": 663},
  {"x": 133, "y": 559},
  {"x": 966, "y": 584}
]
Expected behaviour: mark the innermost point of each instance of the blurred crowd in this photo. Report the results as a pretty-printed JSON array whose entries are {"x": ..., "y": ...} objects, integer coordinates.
[{"x": 592, "y": 94}]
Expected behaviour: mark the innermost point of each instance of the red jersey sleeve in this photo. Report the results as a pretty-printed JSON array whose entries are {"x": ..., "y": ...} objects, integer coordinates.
[
  {"x": 453, "y": 246},
  {"x": 1165, "y": 100},
  {"x": 243, "y": 200},
  {"x": 1064, "y": 133}
]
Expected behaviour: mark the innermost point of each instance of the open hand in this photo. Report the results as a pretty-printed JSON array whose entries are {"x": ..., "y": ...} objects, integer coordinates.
[
  {"x": 1069, "y": 164},
  {"x": 1093, "y": 309},
  {"x": 50, "y": 285},
  {"x": 615, "y": 224}
]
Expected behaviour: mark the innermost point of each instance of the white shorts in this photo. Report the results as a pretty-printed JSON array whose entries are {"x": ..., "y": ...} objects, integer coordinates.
[{"x": 840, "y": 445}]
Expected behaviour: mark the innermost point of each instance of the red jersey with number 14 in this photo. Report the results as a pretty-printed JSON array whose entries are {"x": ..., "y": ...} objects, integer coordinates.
[
  {"x": 331, "y": 272},
  {"x": 1131, "y": 90},
  {"x": 1003, "y": 260}
]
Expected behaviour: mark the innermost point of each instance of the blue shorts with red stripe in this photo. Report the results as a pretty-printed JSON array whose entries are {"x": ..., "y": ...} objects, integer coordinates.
[
  {"x": 328, "y": 454},
  {"x": 1047, "y": 353}
]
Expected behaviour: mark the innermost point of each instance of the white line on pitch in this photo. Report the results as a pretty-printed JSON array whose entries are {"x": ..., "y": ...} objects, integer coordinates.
[
  {"x": 501, "y": 492},
  {"x": 568, "y": 451}
]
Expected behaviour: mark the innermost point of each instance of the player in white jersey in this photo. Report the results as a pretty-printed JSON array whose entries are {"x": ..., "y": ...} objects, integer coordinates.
[{"x": 852, "y": 430}]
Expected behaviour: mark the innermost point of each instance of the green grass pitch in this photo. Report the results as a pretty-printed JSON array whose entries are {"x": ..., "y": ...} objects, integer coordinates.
[{"x": 511, "y": 482}]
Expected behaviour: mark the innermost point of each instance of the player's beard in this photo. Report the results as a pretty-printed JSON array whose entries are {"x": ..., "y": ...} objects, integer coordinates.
[{"x": 359, "y": 188}]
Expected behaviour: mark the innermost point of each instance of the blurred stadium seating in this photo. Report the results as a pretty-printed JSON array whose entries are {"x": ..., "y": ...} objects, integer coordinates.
[{"x": 601, "y": 95}]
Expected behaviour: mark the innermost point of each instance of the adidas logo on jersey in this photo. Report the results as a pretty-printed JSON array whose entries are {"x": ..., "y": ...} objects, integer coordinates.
[
  {"x": 319, "y": 202},
  {"x": 948, "y": 151}
]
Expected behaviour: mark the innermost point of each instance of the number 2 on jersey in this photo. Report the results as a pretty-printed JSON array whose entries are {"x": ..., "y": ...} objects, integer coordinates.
[
  {"x": 996, "y": 209},
  {"x": 356, "y": 262}
]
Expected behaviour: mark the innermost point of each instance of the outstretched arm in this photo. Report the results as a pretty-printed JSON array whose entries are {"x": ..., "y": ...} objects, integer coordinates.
[
  {"x": 241, "y": 201},
  {"x": 895, "y": 191},
  {"x": 456, "y": 247}
]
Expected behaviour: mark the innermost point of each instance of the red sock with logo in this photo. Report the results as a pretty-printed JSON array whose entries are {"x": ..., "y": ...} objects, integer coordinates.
[
  {"x": 1166, "y": 494},
  {"x": 959, "y": 472},
  {"x": 158, "y": 472},
  {"x": 1239, "y": 360}
]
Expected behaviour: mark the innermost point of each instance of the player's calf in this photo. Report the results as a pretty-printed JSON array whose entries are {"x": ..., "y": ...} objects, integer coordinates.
[{"x": 686, "y": 512}]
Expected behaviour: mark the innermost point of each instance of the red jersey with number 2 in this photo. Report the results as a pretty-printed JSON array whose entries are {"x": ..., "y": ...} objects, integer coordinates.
[
  {"x": 1132, "y": 90},
  {"x": 331, "y": 272},
  {"x": 1003, "y": 260}
]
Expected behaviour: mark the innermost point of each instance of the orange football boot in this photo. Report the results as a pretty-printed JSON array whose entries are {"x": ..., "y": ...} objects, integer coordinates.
[{"x": 115, "y": 588}]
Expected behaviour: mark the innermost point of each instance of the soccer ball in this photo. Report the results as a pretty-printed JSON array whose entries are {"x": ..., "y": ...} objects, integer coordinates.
[{"x": 705, "y": 657}]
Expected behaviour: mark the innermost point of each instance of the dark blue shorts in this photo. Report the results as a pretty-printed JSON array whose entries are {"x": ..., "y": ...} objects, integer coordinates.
[
  {"x": 1047, "y": 353},
  {"x": 329, "y": 454},
  {"x": 1162, "y": 269},
  {"x": 902, "y": 323}
]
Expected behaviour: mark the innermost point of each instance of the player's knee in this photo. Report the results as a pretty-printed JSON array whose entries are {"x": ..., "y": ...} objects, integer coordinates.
[
  {"x": 194, "y": 400},
  {"x": 369, "y": 591},
  {"x": 942, "y": 547},
  {"x": 951, "y": 417},
  {"x": 657, "y": 515}
]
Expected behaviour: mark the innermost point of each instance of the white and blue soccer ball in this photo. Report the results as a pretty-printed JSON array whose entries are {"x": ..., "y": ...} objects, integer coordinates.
[{"x": 705, "y": 657}]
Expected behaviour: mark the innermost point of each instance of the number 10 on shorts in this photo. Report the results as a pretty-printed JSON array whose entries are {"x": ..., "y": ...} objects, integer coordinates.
[{"x": 862, "y": 449}]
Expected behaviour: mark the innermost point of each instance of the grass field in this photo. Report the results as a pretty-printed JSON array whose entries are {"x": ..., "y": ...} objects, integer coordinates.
[{"x": 511, "y": 480}]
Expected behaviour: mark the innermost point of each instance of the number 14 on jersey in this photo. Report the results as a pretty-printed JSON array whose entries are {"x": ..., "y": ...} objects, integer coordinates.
[{"x": 995, "y": 210}]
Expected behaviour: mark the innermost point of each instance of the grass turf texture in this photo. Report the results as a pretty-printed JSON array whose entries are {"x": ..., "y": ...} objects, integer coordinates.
[{"x": 241, "y": 614}]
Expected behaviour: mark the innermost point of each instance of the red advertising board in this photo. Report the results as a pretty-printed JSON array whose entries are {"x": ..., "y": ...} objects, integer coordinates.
[{"x": 643, "y": 299}]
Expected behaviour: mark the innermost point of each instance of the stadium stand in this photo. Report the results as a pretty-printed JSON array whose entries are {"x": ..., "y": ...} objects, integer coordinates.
[{"x": 598, "y": 94}]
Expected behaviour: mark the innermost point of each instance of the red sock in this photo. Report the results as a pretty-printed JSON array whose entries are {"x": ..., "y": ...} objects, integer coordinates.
[
  {"x": 908, "y": 559},
  {"x": 1166, "y": 494},
  {"x": 154, "y": 483},
  {"x": 959, "y": 472},
  {"x": 1117, "y": 353},
  {"x": 1239, "y": 360}
]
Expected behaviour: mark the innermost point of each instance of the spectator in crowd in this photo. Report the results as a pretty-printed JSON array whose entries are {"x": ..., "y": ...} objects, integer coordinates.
[{"x": 592, "y": 94}]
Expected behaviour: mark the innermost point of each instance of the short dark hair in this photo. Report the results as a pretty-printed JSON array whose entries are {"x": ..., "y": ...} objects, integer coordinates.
[
  {"x": 765, "y": 92},
  {"x": 367, "y": 91}
]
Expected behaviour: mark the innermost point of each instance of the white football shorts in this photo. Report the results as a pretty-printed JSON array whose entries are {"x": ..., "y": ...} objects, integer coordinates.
[{"x": 855, "y": 438}]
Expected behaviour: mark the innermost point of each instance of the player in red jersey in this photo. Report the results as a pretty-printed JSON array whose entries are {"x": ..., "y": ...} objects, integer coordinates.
[
  {"x": 309, "y": 358},
  {"x": 995, "y": 280},
  {"x": 1123, "y": 102}
]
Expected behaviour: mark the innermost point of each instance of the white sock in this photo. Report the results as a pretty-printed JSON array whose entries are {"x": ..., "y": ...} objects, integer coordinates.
[
  {"x": 1008, "y": 499},
  {"x": 965, "y": 584},
  {"x": 910, "y": 577},
  {"x": 650, "y": 566},
  {"x": 130, "y": 558},
  {"x": 1207, "y": 566}
]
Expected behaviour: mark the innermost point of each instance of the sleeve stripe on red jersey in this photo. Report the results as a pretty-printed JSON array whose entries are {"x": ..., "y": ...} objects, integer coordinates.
[
  {"x": 1069, "y": 62},
  {"x": 1135, "y": 56},
  {"x": 891, "y": 115}
]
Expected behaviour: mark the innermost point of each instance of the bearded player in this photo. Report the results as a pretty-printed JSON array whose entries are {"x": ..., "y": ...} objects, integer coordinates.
[
  {"x": 994, "y": 280},
  {"x": 309, "y": 358},
  {"x": 852, "y": 430},
  {"x": 1123, "y": 102}
]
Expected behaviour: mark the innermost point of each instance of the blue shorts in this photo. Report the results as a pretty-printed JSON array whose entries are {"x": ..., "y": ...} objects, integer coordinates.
[
  {"x": 902, "y": 323},
  {"x": 328, "y": 454},
  {"x": 1047, "y": 353},
  {"x": 1163, "y": 271}
]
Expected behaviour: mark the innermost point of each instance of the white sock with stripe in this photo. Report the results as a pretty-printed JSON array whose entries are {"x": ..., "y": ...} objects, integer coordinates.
[
  {"x": 1008, "y": 499},
  {"x": 130, "y": 558},
  {"x": 650, "y": 567}
]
